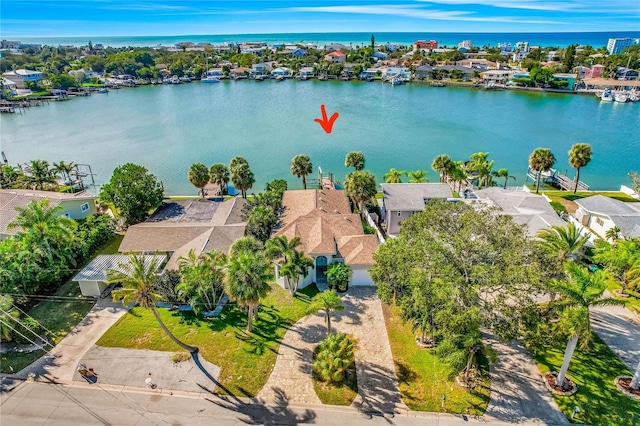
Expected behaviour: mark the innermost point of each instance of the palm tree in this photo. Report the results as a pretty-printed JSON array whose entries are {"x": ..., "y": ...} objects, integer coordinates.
[
  {"x": 354, "y": 159},
  {"x": 219, "y": 175},
  {"x": 47, "y": 225},
  {"x": 39, "y": 174},
  {"x": 479, "y": 163},
  {"x": 64, "y": 168},
  {"x": 581, "y": 291},
  {"x": 237, "y": 162},
  {"x": 137, "y": 278},
  {"x": 242, "y": 178},
  {"x": 419, "y": 176},
  {"x": 360, "y": 186},
  {"x": 335, "y": 358},
  {"x": 246, "y": 281},
  {"x": 541, "y": 160},
  {"x": 613, "y": 234},
  {"x": 619, "y": 259},
  {"x": 394, "y": 176},
  {"x": 327, "y": 301},
  {"x": 458, "y": 174},
  {"x": 260, "y": 222},
  {"x": 293, "y": 269},
  {"x": 202, "y": 279},
  {"x": 503, "y": 173},
  {"x": 281, "y": 246},
  {"x": 248, "y": 244},
  {"x": 579, "y": 156},
  {"x": 199, "y": 176},
  {"x": 442, "y": 164},
  {"x": 301, "y": 167},
  {"x": 564, "y": 240}
]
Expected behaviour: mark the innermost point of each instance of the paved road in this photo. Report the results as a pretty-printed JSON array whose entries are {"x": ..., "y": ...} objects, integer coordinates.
[
  {"x": 34, "y": 403},
  {"x": 620, "y": 330}
]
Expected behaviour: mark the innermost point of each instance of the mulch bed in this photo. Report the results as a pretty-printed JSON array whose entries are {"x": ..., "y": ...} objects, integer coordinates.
[
  {"x": 568, "y": 387},
  {"x": 623, "y": 383}
]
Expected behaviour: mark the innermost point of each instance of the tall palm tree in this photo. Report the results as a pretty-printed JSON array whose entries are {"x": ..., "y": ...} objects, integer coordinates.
[
  {"x": 260, "y": 222},
  {"x": 360, "y": 186},
  {"x": 613, "y": 234},
  {"x": 237, "y": 162},
  {"x": 354, "y": 159},
  {"x": 247, "y": 244},
  {"x": 64, "y": 168},
  {"x": 503, "y": 173},
  {"x": 202, "y": 279},
  {"x": 394, "y": 176},
  {"x": 328, "y": 301},
  {"x": 443, "y": 164},
  {"x": 199, "y": 176},
  {"x": 242, "y": 178},
  {"x": 541, "y": 160},
  {"x": 296, "y": 267},
  {"x": 219, "y": 175},
  {"x": 619, "y": 259},
  {"x": 137, "y": 278},
  {"x": 566, "y": 241},
  {"x": 48, "y": 227},
  {"x": 281, "y": 246},
  {"x": 578, "y": 293},
  {"x": 301, "y": 167},
  {"x": 458, "y": 174},
  {"x": 579, "y": 157},
  {"x": 418, "y": 176},
  {"x": 479, "y": 163},
  {"x": 39, "y": 174},
  {"x": 246, "y": 281}
]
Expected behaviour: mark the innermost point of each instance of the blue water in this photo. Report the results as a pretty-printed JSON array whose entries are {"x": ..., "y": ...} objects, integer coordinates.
[
  {"x": 561, "y": 39},
  {"x": 168, "y": 128}
]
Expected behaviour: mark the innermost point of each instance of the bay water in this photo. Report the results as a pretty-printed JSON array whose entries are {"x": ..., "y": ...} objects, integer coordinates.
[{"x": 168, "y": 128}]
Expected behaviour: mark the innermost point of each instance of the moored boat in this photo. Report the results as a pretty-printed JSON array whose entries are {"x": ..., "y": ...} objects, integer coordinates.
[
  {"x": 620, "y": 97},
  {"x": 606, "y": 96}
]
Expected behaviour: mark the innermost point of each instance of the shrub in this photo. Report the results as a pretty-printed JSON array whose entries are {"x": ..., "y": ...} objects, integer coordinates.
[
  {"x": 368, "y": 229},
  {"x": 334, "y": 358},
  {"x": 338, "y": 276}
]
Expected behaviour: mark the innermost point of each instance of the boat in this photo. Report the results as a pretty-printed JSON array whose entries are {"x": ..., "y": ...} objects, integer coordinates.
[
  {"x": 210, "y": 79},
  {"x": 103, "y": 90},
  {"x": 259, "y": 77},
  {"x": 620, "y": 96},
  {"x": 174, "y": 80},
  {"x": 279, "y": 78},
  {"x": 633, "y": 96},
  {"x": 606, "y": 96},
  {"x": 206, "y": 77},
  {"x": 185, "y": 79}
]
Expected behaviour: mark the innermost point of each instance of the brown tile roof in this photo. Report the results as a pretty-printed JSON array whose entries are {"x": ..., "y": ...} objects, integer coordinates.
[
  {"x": 358, "y": 249},
  {"x": 145, "y": 237},
  {"x": 298, "y": 203}
]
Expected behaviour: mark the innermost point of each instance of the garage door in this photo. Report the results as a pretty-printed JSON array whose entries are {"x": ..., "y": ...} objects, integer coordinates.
[{"x": 360, "y": 277}]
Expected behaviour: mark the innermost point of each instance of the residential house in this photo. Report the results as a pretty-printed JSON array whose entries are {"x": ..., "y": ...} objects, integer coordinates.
[
  {"x": 10, "y": 86},
  {"x": 21, "y": 76},
  {"x": 425, "y": 45},
  {"x": 381, "y": 55},
  {"x": 215, "y": 72},
  {"x": 505, "y": 48},
  {"x": 335, "y": 57},
  {"x": 525, "y": 208},
  {"x": 401, "y": 200},
  {"x": 600, "y": 214},
  {"x": 335, "y": 47},
  {"x": 177, "y": 227},
  {"x": 281, "y": 71},
  {"x": 298, "y": 53},
  {"x": 75, "y": 206},
  {"x": 328, "y": 232},
  {"x": 480, "y": 64},
  {"x": 476, "y": 55},
  {"x": 306, "y": 72},
  {"x": 396, "y": 72},
  {"x": 426, "y": 71},
  {"x": 10, "y": 44},
  {"x": 497, "y": 76},
  {"x": 262, "y": 68},
  {"x": 348, "y": 68},
  {"x": 594, "y": 72},
  {"x": 240, "y": 72},
  {"x": 626, "y": 74},
  {"x": 370, "y": 73},
  {"x": 93, "y": 277},
  {"x": 569, "y": 78}
]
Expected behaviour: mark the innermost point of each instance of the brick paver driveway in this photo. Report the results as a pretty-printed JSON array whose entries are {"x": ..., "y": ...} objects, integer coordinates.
[{"x": 362, "y": 317}]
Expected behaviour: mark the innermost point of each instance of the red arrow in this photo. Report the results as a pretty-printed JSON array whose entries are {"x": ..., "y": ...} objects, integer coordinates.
[{"x": 326, "y": 123}]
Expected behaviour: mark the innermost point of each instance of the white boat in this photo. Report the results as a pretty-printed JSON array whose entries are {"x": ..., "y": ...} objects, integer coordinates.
[
  {"x": 620, "y": 97},
  {"x": 206, "y": 76},
  {"x": 210, "y": 79},
  {"x": 606, "y": 96},
  {"x": 633, "y": 96},
  {"x": 174, "y": 80},
  {"x": 185, "y": 79}
]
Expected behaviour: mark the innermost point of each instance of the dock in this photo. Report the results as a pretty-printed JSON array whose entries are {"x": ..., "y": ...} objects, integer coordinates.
[{"x": 557, "y": 179}]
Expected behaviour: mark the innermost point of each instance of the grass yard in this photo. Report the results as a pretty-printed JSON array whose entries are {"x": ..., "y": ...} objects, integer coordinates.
[
  {"x": 423, "y": 376},
  {"x": 632, "y": 302},
  {"x": 245, "y": 359},
  {"x": 593, "y": 370}
]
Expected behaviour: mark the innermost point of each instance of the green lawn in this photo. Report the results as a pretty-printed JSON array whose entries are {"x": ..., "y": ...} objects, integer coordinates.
[
  {"x": 564, "y": 200},
  {"x": 31, "y": 95},
  {"x": 423, "y": 376},
  {"x": 58, "y": 315},
  {"x": 632, "y": 302},
  {"x": 245, "y": 359},
  {"x": 593, "y": 370}
]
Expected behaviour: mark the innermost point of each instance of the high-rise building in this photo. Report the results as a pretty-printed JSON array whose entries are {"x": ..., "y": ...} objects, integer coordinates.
[{"x": 617, "y": 45}]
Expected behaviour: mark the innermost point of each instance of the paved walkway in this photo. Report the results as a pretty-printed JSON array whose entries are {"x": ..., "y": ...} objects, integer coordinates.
[
  {"x": 61, "y": 364},
  {"x": 620, "y": 330},
  {"x": 377, "y": 381},
  {"x": 518, "y": 393}
]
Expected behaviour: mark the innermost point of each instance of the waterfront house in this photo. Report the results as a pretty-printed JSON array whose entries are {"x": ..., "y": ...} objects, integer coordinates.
[
  {"x": 10, "y": 86},
  {"x": 569, "y": 78},
  {"x": 335, "y": 47},
  {"x": 215, "y": 72},
  {"x": 179, "y": 226},
  {"x": 93, "y": 277},
  {"x": 480, "y": 64},
  {"x": 335, "y": 57},
  {"x": 600, "y": 214},
  {"x": 370, "y": 73},
  {"x": 262, "y": 68},
  {"x": 328, "y": 232},
  {"x": 21, "y": 76},
  {"x": 623, "y": 73},
  {"x": 401, "y": 200},
  {"x": 525, "y": 208},
  {"x": 75, "y": 206},
  {"x": 595, "y": 71},
  {"x": 348, "y": 68},
  {"x": 425, "y": 45},
  {"x": 496, "y": 76},
  {"x": 282, "y": 72},
  {"x": 306, "y": 72},
  {"x": 240, "y": 72},
  {"x": 427, "y": 71},
  {"x": 396, "y": 72}
]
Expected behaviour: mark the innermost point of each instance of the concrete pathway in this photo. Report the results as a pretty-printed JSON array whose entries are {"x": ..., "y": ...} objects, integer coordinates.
[
  {"x": 620, "y": 330},
  {"x": 61, "y": 363},
  {"x": 377, "y": 382},
  {"x": 518, "y": 393}
]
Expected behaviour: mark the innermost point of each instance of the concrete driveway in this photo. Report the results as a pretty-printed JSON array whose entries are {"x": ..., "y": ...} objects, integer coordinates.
[{"x": 620, "y": 330}]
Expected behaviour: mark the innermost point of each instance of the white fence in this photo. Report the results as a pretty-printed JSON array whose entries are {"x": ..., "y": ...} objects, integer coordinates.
[{"x": 371, "y": 222}]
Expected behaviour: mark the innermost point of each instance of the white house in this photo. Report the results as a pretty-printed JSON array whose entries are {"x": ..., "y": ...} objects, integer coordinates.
[
  {"x": 601, "y": 214},
  {"x": 396, "y": 72},
  {"x": 328, "y": 232},
  {"x": 335, "y": 57},
  {"x": 21, "y": 76},
  {"x": 281, "y": 71}
]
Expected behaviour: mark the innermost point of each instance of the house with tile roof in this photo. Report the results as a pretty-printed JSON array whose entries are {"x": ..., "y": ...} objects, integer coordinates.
[
  {"x": 600, "y": 214},
  {"x": 75, "y": 206},
  {"x": 328, "y": 232},
  {"x": 179, "y": 226}
]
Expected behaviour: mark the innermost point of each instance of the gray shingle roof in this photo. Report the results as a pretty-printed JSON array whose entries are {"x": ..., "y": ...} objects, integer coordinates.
[
  {"x": 605, "y": 205},
  {"x": 412, "y": 196},
  {"x": 96, "y": 269}
]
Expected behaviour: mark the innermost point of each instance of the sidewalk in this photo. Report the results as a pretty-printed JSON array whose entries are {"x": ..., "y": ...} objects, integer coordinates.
[
  {"x": 620, "y": 330},
  {"x": 61, "y": 363}
]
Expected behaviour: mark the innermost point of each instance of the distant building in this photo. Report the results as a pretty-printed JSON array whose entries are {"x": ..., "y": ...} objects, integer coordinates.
[
  {"x": 626, "y": 74},
  {"x": 335, "y": 47},
  {"x": 10, "y": 44},
  {"x": 521, "y": 51},
  {"x": 335, "y": 57},
  {"x": 594, "y": 72},
  {"x": 425, "y": 45},
  {"x": 617, "y": 45},
  {"x": 505, "y": 48},
  {"x": 20, "y": 76},
  {"x": 465, "y": 44}
]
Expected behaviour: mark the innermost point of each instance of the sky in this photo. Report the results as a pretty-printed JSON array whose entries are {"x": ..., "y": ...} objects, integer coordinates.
[{"x": 183, "y": 17}]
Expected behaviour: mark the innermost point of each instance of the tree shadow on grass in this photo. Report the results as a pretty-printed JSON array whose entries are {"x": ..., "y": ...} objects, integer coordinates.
[{"x": 256, "y": 412}]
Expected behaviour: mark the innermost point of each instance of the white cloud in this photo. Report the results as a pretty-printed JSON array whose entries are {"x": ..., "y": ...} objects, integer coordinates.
[{"x": 582, "y": 6}]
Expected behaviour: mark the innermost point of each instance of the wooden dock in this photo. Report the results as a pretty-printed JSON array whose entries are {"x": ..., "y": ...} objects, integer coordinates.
[{"x": 555, "y": 178}]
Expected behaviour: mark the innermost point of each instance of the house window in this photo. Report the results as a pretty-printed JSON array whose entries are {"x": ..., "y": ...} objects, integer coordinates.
[
  {"x": 84, "y": 207},
  {"x": 399, "y": 214},
  {"x": 599, "y": 221}
]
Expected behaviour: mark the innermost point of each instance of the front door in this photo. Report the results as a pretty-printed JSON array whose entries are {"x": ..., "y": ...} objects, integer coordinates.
[{"x": 321, "y": 270}]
